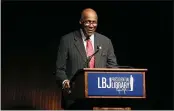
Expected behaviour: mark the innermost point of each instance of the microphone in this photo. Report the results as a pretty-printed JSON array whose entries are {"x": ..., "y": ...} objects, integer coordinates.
[{"x": 90, "y": 57}]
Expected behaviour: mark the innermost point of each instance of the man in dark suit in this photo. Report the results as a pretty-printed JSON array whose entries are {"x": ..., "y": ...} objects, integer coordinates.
[{"x": 76, "y": 46}]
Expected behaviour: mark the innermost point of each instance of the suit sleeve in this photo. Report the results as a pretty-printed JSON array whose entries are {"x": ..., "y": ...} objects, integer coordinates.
[
  {"x": 111, "y": 58},
  {"x": 62, "y": 56}
]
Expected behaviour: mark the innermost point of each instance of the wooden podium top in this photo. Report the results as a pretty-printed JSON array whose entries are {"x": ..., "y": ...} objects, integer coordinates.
[{"x": 114, "y": 69}]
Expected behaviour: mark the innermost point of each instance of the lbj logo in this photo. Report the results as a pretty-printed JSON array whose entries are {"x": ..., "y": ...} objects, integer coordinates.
[{"x": 121, "y": 84}]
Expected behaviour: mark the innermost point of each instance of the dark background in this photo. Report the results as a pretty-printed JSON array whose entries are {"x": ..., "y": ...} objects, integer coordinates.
[{"x": 141, "y": 33}]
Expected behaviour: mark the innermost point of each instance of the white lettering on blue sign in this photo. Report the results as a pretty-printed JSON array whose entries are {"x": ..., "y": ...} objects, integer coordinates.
[{"x": 118, "y": 83}]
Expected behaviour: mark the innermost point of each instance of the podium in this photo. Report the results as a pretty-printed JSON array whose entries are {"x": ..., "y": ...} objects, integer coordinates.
[{"x": 109, "y": 83}]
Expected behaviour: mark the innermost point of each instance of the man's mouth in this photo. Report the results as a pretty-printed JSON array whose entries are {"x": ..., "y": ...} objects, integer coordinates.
[{"x": 90, "y": 31}]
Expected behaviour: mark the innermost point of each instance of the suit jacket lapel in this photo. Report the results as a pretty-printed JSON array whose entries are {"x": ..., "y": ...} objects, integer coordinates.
[
  {"x": 79, "y": 44},
  {"x": 97, "y": 44}
]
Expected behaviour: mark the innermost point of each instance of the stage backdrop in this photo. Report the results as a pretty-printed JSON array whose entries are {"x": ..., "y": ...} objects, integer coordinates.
[{"x": 141, "y": 33}]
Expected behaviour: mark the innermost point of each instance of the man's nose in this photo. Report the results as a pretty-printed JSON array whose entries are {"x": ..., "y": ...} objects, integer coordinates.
[{"x": 91, "y": 25}]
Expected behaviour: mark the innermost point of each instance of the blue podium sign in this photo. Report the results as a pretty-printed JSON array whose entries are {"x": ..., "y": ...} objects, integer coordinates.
[{"x": 115, "y": 84}]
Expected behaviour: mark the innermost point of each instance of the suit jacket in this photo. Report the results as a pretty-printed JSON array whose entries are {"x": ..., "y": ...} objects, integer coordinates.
[{"x": 72, "y": 55}]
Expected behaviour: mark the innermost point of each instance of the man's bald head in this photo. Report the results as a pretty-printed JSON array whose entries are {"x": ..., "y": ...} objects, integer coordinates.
[
  {"x": 88, "y": 21},
  {"x": 88, "y": 12}
]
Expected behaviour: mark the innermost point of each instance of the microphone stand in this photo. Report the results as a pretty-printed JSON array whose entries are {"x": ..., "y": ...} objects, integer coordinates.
[{"x": 89, "y": 59}]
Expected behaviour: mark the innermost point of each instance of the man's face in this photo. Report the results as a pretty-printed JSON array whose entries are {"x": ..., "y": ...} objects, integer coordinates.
[{"x": 89, "y": 24}]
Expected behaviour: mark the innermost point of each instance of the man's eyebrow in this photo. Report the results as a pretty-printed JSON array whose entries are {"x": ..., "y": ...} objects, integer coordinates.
[{"x": 92, "y": 20}]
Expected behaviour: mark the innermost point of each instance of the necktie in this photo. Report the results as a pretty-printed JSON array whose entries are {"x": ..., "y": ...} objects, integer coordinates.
[{"x": 89, "y": 52}]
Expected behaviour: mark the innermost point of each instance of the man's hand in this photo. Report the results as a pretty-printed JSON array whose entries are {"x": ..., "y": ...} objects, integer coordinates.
[
  {"x": 66, "y": 87},
  {"x": 66, "y": 84}
]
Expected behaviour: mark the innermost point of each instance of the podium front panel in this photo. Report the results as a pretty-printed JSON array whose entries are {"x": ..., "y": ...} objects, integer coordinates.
[{"x": 115, "y": 84}]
